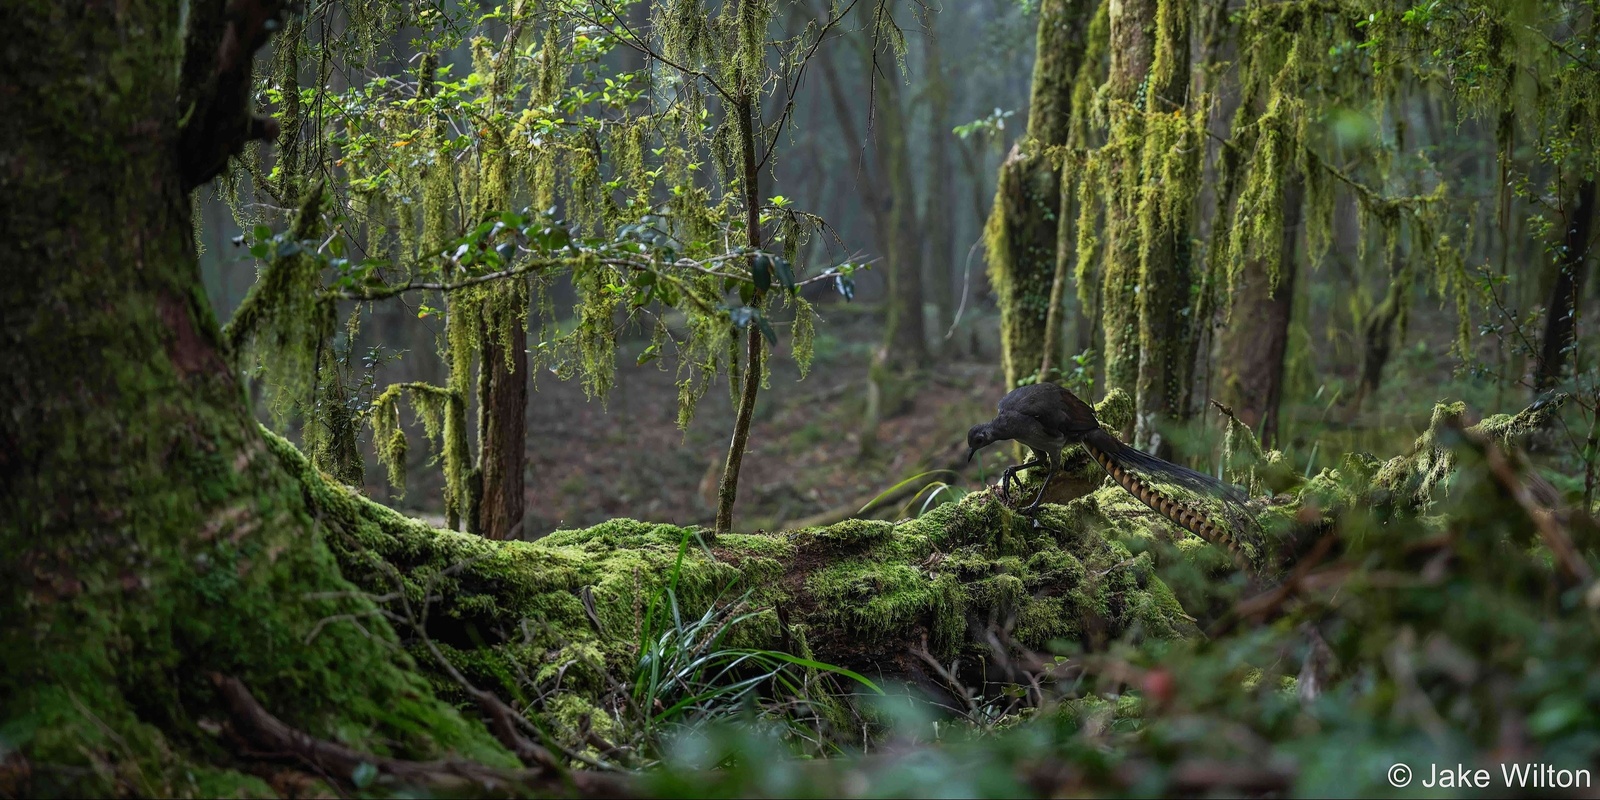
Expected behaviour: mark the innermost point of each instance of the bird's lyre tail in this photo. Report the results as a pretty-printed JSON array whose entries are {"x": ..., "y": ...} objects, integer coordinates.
[{"x": 1105, "y": 450}]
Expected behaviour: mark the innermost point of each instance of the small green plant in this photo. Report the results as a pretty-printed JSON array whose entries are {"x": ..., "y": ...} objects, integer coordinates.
[
  {"x": 937, "y": 493},
  {"x": 689, "y": 674}
]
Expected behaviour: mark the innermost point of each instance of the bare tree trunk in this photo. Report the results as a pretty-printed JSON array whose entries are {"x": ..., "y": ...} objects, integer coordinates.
[
  {"x": 502, "y": 451},
  {"x": 939, "y": 219},
  {"x": 1561, "y": 314},
  {"x": 904, "y": 331}
]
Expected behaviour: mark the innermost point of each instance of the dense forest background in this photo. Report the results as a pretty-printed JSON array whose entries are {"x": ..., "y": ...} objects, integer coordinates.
[
  {"x": 1442, "y": 244},
  {"x": 662, "y": 324}
]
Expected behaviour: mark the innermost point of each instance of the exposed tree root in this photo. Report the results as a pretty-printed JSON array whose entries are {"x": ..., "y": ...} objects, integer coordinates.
[{"x": 270, "y": 736}]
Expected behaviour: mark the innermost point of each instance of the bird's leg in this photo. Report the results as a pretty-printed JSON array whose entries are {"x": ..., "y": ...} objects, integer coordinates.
[
  {"x": 1055, "y": 466},
  {"x": 1010, "y": 472}
]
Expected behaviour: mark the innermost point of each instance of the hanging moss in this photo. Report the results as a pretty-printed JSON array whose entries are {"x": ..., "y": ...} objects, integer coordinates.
[
  {"x": 332, "y": 428},
  {"x": 596, "y": 334},
  {"x": 802, "y": 334},
  {"x": 431, "y": 405},
  {"x": 282, "y": 327}
]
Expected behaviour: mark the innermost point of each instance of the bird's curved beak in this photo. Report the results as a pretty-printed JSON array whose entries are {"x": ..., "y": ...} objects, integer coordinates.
[{"x": 971, "y": 451}]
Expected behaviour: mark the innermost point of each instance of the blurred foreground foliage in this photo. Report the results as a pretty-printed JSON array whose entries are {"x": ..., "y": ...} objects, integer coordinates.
[{"x": 1452, "y": 625}]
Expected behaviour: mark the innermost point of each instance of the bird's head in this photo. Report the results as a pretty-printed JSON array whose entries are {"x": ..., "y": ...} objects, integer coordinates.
[{"x": 978, "y": 437}]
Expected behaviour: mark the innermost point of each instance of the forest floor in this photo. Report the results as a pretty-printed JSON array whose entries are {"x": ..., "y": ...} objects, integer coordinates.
[{"x": 590, "y": 461}]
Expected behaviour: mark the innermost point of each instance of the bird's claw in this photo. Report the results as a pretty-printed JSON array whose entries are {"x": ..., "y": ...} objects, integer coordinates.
[{"x": 1005, "y": 481}]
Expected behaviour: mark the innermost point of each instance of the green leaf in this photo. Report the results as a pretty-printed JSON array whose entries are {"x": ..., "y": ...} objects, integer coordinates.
[
  {"x": 766, "y": 328},
  {"x": 785, "y": 273},
  {"x": 761, "y": 271},
  {"x": 891, "y": 489},
  {"x": 818, "y": 665}
]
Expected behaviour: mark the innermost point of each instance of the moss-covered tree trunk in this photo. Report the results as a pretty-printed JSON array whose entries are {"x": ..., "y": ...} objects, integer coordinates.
[
  {"x": 1166, "y": 275},
  {"x": 1022, "y": 227},
  {"x": 1132, "y": 49},
  {"x": 503, "y": 335},
  {"x": 148, "y": 538},
  {"x": 1152, "y": 160},
  {"x": 1254, "y": 342},
  {"x": 1384, "y": 329}
]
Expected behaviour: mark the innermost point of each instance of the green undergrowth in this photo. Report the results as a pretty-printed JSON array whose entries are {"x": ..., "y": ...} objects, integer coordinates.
[{"x": 1451, "y": 627}]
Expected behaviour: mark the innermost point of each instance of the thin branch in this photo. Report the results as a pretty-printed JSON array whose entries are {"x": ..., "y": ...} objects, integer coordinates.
[
  {"x": 800, "y": 74},
  {"x": 637, "y": 43}
]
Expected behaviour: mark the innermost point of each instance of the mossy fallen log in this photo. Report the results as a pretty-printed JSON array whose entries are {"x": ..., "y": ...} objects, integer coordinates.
[{"x": 558, "y": 623}]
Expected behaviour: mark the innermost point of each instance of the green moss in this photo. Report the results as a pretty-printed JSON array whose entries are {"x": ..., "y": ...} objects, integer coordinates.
[{"x": 573, "y": 607}]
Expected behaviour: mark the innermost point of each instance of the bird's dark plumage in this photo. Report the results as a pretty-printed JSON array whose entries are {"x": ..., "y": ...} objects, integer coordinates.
[{"x": 1047, "y": 418}]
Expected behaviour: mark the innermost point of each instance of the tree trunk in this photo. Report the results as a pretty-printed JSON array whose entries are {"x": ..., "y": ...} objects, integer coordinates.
[
  {"x": 1146, "y": 287},
  {"x": 590, "y": 591},
  {"x": 755, "y": 351},
  {"x": 1166, "y": 276},
  {"x": 939, "y": 218},
  {"x": 1022, "y": 227},
  {"x": 503, "y": 447},
  {"x": 1562, "y": 311},
  {"x": 503, "y": 335},
  {"x": 148, "y": 539},
  {"x": 1254, "y": 343},
  {"x": 904, "y": 331},
  {"x": 1385, "y": 326},
  {"x": 1132, "y": 49}
]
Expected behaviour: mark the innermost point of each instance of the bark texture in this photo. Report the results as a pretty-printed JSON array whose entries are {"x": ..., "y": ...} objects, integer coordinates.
[
  {"x": 905, "y": 332},
  {"x": 1254, "y": 342},
  {"x": 1132, "y": 49},
  {"x": 503, "y": 449}
]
